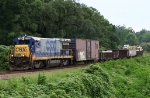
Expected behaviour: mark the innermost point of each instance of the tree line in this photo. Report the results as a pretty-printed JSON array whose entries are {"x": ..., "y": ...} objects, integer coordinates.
[
  {"x": 129, "y": 36},
  {"x": 61, "y": 18}
]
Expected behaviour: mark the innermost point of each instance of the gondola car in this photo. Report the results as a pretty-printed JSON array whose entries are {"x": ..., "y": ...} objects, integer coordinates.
[{"x": 108, "y": 55}]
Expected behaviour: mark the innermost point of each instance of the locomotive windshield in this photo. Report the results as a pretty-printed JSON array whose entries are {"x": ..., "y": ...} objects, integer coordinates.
[{"x": 23, "y": 42}]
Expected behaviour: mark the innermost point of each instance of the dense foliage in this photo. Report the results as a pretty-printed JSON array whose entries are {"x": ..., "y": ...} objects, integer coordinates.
[
  {"x": 144, "y": 39},
  {"x": 62, "y": 18},
  {"x": 49, "y": 18},
  {"x": 129, "y": 36},
  {"x": 4, "y": 57},
  {"x": 112, "y": 79},
  {"x": 130, "y": 77},
  {"x": 91, "y": 82}
]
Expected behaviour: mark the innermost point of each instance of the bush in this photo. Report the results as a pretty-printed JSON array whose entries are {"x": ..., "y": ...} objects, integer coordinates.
[
  {"x": 112, "y": 79},
  {"x": 41, "y": 79},
  {"x": 91, "y": 82},
  {"x": 4, "y": 57},
  {"x": 146, "y": 46}
]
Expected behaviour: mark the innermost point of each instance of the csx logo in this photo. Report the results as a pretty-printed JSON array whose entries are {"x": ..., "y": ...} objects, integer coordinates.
[
  {"x": 51, "y": 45},
  {"x": 20, "y": 49}
]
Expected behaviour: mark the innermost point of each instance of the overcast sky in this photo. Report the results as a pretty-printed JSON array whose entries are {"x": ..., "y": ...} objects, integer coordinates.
[{"x": 131, "y": 13}]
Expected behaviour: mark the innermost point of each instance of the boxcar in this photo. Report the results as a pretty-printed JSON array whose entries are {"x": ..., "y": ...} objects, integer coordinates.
[
  {"x": 84, "y": 49},
  {"x": 92, "y": 49}
]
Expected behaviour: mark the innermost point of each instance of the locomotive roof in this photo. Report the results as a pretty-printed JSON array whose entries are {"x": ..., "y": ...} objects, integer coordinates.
[{"x": 39, "y": 38}]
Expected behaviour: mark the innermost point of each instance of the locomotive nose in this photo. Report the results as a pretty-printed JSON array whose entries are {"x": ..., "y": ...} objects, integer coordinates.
[{"x": 18, "y": 61}]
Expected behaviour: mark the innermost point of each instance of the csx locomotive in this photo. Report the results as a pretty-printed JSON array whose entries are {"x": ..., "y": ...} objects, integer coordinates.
[{"x": 34, "y": 52}]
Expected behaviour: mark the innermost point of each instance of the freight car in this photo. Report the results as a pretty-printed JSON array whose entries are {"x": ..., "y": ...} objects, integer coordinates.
[
  {"x": 84, "y": 50},
  {"x": 139, "y": 51},
  {"x": 34, "y": 52},
  {"x": 119, "y": 54},
  {"x": 108, "y": 55}
]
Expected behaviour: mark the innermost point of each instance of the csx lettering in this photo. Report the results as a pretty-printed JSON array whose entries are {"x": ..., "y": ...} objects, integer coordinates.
[
  {"x": 20, "y": 49},
  {"x": 51, "y": 45}
]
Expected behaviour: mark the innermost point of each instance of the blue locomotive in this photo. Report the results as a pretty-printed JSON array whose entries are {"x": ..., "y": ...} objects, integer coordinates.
[{"x": 34, "y": 52}]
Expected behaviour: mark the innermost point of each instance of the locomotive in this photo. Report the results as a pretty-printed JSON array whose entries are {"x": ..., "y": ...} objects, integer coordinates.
[{"x": 34, "y": 52}]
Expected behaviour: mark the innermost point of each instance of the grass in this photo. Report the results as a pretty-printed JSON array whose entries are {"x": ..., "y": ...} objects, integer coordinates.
[
  {"x": 52, "y": 76},
  {"x": 130, "y": 77},
  {"x": 120, "y": 78}
]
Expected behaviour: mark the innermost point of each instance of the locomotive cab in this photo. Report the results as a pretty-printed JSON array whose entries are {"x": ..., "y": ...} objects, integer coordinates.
[{"x": 19, "y": 55}]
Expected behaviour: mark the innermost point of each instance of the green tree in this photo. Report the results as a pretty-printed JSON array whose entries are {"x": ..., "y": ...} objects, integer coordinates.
[
  {"x": 125, "y": 35},
  {"x": 131, "y": 39},
  {"x": 18, "y": 17},
  {"x": 54, "y": 18},
  {"x": 143, "y": 36}
]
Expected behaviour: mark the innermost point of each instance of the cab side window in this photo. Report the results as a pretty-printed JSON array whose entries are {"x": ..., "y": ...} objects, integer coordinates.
[{"x": 37, "y": 43}]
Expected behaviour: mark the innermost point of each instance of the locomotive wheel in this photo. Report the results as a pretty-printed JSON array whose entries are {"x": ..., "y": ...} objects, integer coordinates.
[
  {"x": 11, "y": 67},
  {"x": 26, "y": 66},
  {"x": 31, "y": 66},
  {"x": 61, "y": 63},
  {"x": 74, "y": 63},
  {"x": 38, "y": 64},
  {"x": 66, "y": 62},
  {"x": 47, "y": 64}
]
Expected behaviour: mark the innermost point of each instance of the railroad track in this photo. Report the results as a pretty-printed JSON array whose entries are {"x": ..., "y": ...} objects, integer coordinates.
[{"x": 11, "y": 74}]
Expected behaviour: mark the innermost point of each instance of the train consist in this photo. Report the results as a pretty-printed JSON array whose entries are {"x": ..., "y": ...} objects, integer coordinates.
[{"x": 34, "y": 52}]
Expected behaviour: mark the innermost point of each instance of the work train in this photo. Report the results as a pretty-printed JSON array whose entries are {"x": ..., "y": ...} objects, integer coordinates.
[{"x": 34, "y": 52}]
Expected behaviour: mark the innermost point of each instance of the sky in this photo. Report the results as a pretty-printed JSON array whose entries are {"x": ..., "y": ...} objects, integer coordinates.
[{"x": 128, "y": 13}]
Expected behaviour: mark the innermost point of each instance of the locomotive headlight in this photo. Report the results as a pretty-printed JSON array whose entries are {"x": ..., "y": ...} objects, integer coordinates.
[
  {"x": 11, "y": 55},
  {"x": 23, "y": 55}
]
